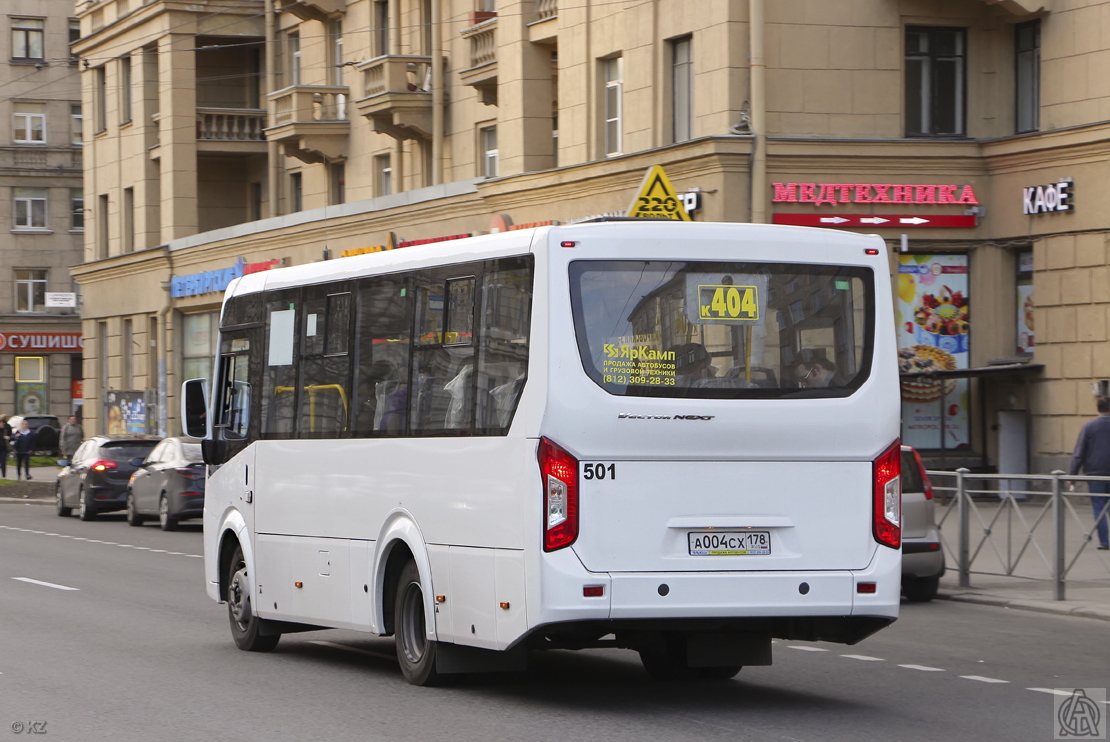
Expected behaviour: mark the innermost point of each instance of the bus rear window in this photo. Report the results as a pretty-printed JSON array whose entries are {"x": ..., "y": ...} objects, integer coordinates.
[{"x": 723, "y": 330}]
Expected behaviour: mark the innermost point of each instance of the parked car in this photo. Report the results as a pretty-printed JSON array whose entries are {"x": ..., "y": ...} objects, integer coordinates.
[
  {"x": 168, "y": 484},
  {"x": 922, "y": 554},
  {"x": 95, "y": 480},
  {"x": 47, "y": 430}
]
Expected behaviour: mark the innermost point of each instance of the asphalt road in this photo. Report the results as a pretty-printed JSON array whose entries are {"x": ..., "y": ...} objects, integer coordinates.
[{"x": 138, "y": 652}]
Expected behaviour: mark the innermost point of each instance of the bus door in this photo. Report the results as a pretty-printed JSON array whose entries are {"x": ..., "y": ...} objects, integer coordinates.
[{"x": 235, "y": 423}]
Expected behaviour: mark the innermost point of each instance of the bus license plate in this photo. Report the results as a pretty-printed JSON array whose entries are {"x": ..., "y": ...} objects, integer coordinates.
[{"x": 729, "y": 543}]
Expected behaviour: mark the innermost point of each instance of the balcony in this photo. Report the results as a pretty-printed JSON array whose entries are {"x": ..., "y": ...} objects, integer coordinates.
[
  {"x": 544, "y": 28},
  {"x": 230, "y": 130},
  {"x": 397, "y": 95},
  {"x": 312, "y": 10},
  {"x": 310, "y": 121},
  {"x": 482, "y": 72}
]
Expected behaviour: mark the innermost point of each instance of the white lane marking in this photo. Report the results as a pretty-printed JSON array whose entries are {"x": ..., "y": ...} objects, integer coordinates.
[
  {"x": 45, "y": 584},
  {"x": 922, "y": 668},
  {"x": 982, "y": 679},
  {"x": 807, "y": 649},
  {"x": 333, "y": 645},
  {"x": 1051, "y": 691},
  {"x": 863, "y": 657},
  {"x": 97, "y": 541}
]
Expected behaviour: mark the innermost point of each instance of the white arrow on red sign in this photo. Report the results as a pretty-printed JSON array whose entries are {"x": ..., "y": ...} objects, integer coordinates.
[
  {"x": 912, "y": 220},
  {"x": 835, "y": 220},
  {"x": 873, "y": 220},
  {"x": 885, "y": 221}
]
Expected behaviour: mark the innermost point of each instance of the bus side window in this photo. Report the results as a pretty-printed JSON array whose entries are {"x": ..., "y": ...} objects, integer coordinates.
[
  {"x": 503, "y": 350},
  {"x": 443, "y": 384},
  {"x": 384, "y": 322},
  {"x": 325, "y": 366},
  {"x": 279, "y": 377}
]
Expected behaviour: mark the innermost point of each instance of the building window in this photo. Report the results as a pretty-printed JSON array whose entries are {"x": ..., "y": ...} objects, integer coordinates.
[
  {"x": 682, "y": 89},
  {"x": 935, "y": 81},
  {"x": 30, "y": 208},
  {"x": 125, "y": 89},
  {"x": 74, "y": 36},
  {"x": 295, "y": 58},
  {"x": 102, "y": 225},
  {"x": 27, "y": 36},
  {"x": 296, "y": 193},
  {"x": 1027, "y": 74},
  {"x": 102, "y": 352},
  {"x": 337, "y": 185},
  {"x": 128, "y": 355},
  {"x": 30, "y": 291},
  {"x": 612, "y": 105},
  {"x": 488, "y": 137},
  {"x": 152, "y": 353},
  {"x": 100, "y": 98},
  {"x": 76, "y": 210},
  {"x": 383, "y": 175},
  {"x": 76, "y": 122},
  {"x": 381, "y": 27},
  {"x": 127, "y": 216},
  {"x": 29, "y": 123}
]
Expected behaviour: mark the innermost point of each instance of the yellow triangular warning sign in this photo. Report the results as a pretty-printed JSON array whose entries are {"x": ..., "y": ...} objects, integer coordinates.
[{"x": 657, "y": 199}]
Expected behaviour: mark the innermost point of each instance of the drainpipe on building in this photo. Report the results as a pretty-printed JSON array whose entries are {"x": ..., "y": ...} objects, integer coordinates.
[
  {"x": 759, "y": 109},
  {"x": 273, "y": 153},
  {"x": 437, "y": 95}
]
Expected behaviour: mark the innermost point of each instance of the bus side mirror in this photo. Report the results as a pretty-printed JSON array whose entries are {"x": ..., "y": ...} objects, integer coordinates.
[{"x": 194, "y": 408}]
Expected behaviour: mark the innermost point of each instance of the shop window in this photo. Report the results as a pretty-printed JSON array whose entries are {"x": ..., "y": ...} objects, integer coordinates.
[
  {"x": 30, "y": 291},
  {"x": 935, "y": 81},
  {"x": 198, "y": 344},
  {"x": 30, "y": 385}
]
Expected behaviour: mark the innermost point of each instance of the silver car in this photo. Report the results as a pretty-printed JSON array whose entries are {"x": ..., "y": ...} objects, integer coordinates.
[
  {"x": 922, "y": 554},
  {"x": 167, "y": 484}
]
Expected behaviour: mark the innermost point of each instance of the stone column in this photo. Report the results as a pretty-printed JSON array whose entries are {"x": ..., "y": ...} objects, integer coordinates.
[{"x": 177, "y": 94}]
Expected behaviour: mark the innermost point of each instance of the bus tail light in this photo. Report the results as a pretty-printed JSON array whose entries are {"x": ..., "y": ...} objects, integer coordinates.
[
  {"x": 560, "y": 495},
  {"x": 886, "y": 516},
  {"x": 103, "y": 465}
]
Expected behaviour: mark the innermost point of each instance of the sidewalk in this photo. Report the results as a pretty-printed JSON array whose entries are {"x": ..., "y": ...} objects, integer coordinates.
[{"x": 39, "y": 486}]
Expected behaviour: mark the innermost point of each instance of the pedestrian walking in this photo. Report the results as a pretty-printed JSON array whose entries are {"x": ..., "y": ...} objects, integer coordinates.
[
  {"x": 72, "y": 436},
  {"x": 1092, "y": 457},
  {"x": 24, "y": 445},
  {"x": 5, "y": 439}
]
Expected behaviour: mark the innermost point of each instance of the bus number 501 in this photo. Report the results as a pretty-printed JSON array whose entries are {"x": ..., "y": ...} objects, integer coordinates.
[{"x": 599, "y": 471}]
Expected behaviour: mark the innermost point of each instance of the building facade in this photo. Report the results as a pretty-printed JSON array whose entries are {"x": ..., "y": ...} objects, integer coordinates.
[
  {"x": 235, "y": 136},
  {"x": 43, "y": 213}
]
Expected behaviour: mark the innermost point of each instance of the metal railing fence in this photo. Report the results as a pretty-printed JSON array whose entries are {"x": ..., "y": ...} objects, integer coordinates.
[{"x": 1032, "y": 526}]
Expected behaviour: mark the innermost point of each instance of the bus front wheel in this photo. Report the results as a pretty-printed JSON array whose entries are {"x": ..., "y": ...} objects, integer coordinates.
[
  {"x": 245, "y": 625},
  {"x": 416, "y": 653}
]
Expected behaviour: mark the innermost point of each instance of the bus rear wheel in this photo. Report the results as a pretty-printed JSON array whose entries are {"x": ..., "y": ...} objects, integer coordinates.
[
  {"x": 245, "y": 625},
  {"x": 416, "y": 653}
]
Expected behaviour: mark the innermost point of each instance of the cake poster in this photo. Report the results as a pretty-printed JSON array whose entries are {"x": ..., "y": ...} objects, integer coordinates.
[{"x": 933, "y": 315}]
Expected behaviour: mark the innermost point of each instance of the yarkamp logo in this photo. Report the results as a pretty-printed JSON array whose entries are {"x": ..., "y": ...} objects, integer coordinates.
[
  {"x": 1079, "y": 713},
  {"x": 630, "y": 416}
]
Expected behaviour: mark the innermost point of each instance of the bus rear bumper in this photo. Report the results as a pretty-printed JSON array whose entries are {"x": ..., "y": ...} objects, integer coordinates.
[{"x": 872, "y": 592}]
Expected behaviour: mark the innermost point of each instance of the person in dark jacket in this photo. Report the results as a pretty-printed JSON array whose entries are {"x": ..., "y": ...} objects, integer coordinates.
[
  {"x": 24, "y": 444},
  {"x": 5, "y": 438},
  {"x": 1092, "y": 456}
]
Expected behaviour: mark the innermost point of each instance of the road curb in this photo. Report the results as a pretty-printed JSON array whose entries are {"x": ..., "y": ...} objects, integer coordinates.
[{"x": 1082, "y": 611}]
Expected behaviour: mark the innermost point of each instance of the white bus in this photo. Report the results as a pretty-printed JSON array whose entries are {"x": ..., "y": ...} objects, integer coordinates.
[{"x": 676, "y": 438}]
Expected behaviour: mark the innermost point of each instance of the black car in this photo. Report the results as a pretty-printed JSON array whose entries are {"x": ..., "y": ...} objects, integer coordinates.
[
  {"x": 47, "y": 429},
  {"x": 168, "y": 484},
  {"x": 95, "y": 481}
]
